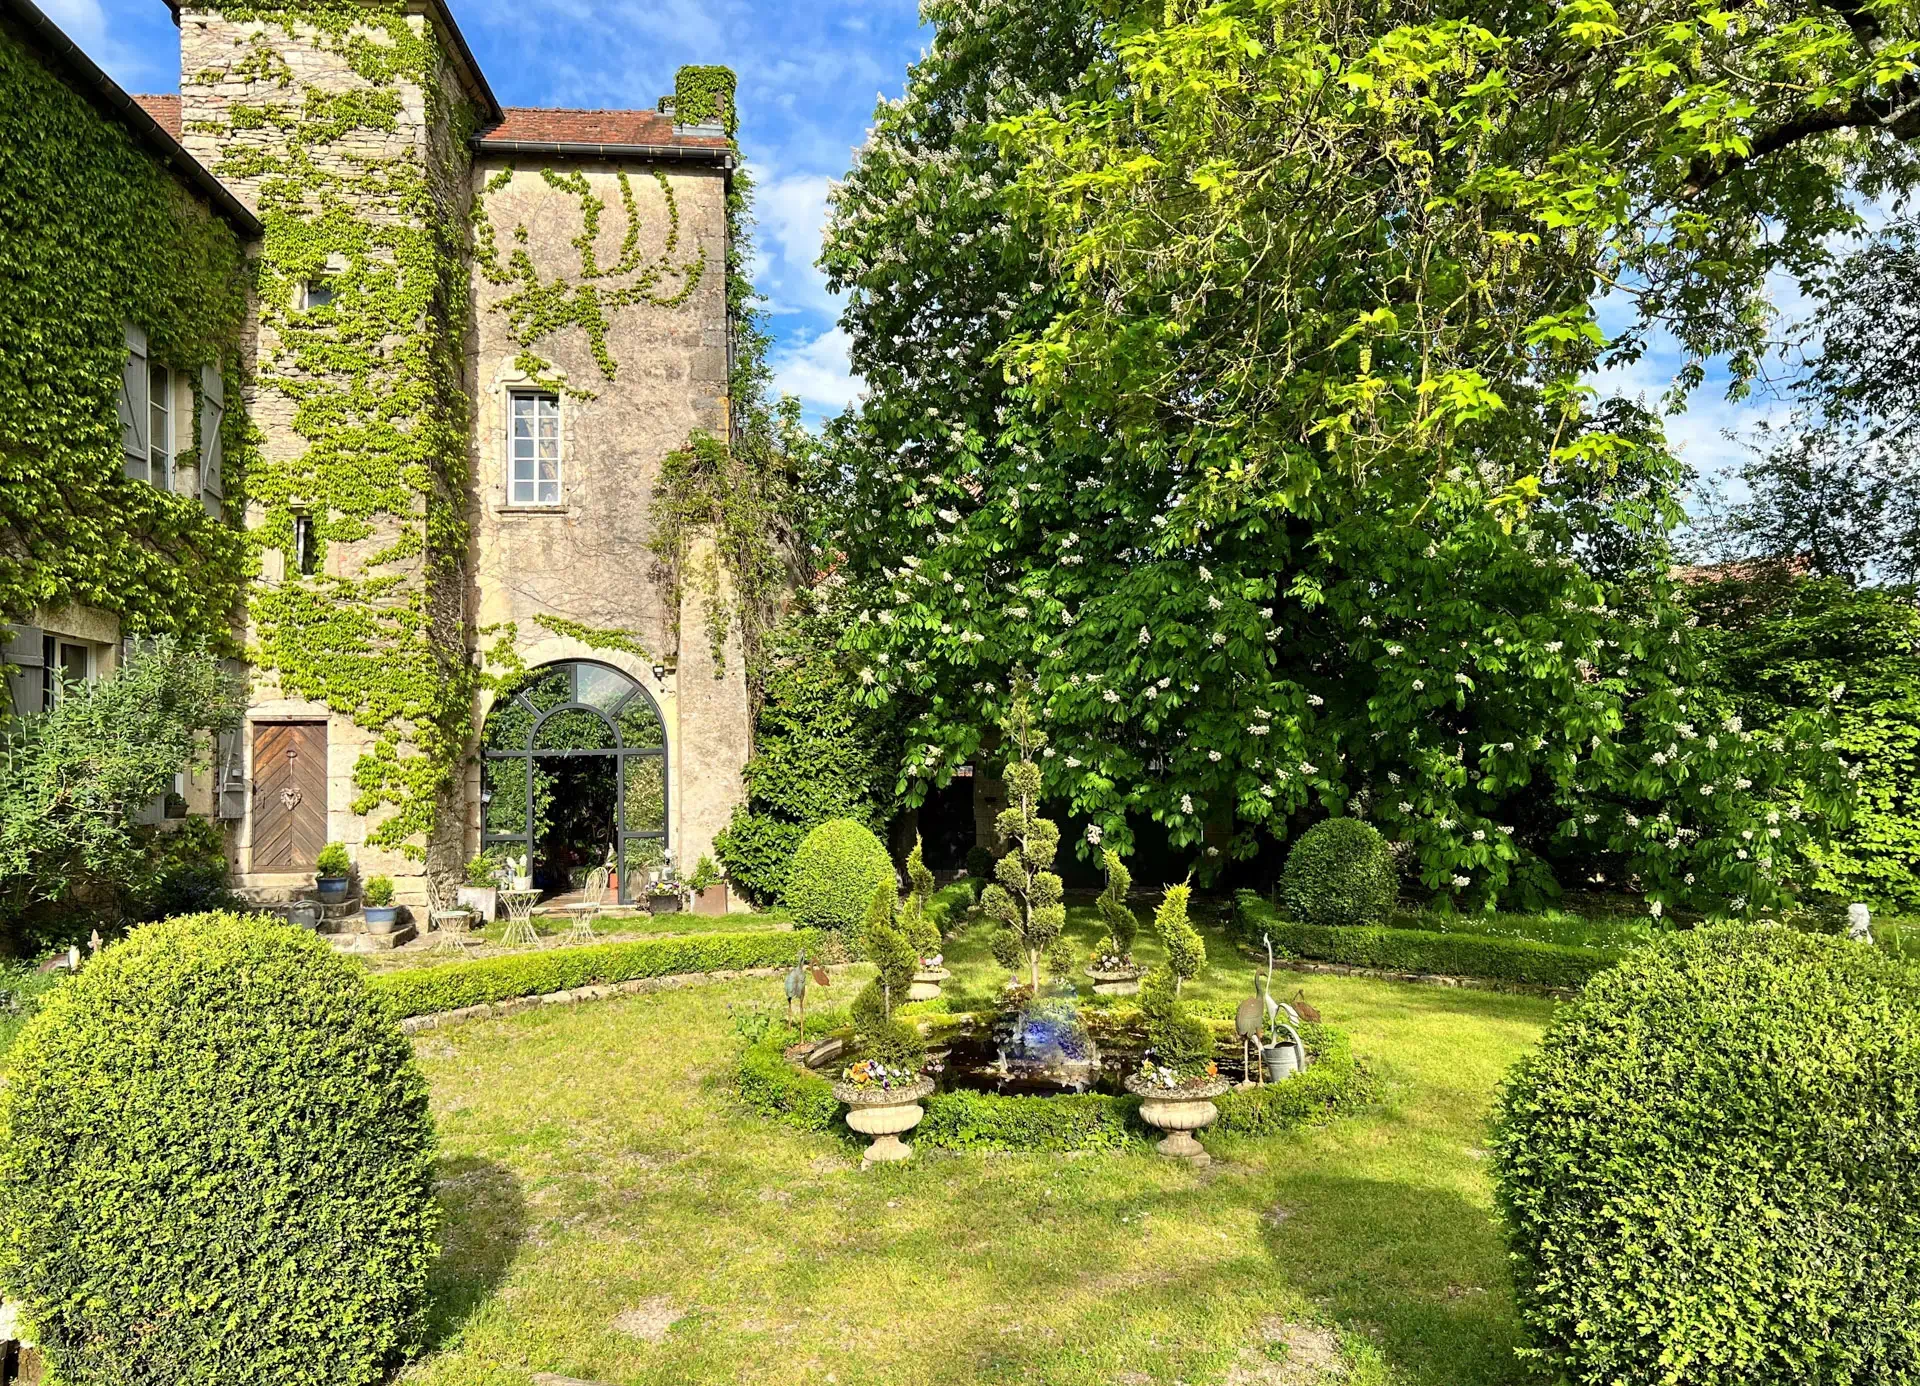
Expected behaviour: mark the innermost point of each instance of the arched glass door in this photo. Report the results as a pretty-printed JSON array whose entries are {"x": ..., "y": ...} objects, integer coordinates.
[{"x": 540, "y": 729}]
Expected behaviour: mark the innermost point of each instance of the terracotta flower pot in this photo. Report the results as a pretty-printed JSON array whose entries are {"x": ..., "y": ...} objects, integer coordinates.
[
  {"x": 1179, "y": 1111},
  {"x": 886, "y": 1114}
]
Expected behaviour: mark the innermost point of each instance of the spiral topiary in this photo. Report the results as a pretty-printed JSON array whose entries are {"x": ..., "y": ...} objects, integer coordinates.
[
  {"x": 834, "y": 874},
  {"x": 1341, "y": 871},
  {"x": 216, "y": 1164},
  {"x": 1710, "y": 1170}
]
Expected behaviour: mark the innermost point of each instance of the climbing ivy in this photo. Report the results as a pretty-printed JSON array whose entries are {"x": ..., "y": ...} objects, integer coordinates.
[
  {"x": 537, "y": 309},
  {"x": 95, "y": 234},
  {"x": 370, "y": 385},
  {"x": 704, "y": 96}
]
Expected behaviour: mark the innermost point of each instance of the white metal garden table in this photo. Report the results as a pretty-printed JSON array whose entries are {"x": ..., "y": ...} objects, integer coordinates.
[{"x": 520, "y": 905}]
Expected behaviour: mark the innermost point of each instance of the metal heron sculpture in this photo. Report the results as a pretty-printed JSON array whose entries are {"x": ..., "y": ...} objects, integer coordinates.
[{"x": 797, "y": 987}]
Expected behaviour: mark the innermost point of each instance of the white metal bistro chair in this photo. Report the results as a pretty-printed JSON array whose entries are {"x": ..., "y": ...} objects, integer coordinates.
[
  {"x": 453, "y": 922},
  {"x": 593, "y": 898}
]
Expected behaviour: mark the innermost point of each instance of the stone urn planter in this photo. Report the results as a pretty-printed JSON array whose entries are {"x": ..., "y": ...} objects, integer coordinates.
[
  {"x": 1178, "y": 1111},
  {"x": 926, "y": 983},
  {"x": 665, "y": 901},
  {"x": 1123, "y": 981},
  {"x": 885, "y": 1114}
]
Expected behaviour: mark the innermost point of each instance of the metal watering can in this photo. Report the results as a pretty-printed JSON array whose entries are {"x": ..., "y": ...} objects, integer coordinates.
[{"x": 1285, "y": 1058}]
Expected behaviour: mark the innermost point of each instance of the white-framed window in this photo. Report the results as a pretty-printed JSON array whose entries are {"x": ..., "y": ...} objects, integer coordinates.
[
  {"x": 66, "y": 663},
  {"x": 316, "y": 293},
  {"x": 160, "y": 430},
  {"x": 533, "y": 448}
]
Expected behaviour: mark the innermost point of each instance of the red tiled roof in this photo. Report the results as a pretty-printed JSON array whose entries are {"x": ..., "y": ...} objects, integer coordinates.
[
  {"x": 165, "y": 111},
  {"x": 528, "y": 125}
]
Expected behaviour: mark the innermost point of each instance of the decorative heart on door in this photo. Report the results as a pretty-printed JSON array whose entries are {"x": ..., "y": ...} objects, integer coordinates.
[{"x": 290, "y": 797}]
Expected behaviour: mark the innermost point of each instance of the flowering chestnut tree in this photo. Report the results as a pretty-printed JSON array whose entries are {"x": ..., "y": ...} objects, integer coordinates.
[{"x": 1226, "y": 372}]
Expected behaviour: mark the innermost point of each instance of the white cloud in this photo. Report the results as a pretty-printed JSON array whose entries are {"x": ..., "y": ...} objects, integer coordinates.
[
  {"x": 792, "y": 214},
  {"x": 817, "y": 371},
  {"x": 83, "y": 20}
]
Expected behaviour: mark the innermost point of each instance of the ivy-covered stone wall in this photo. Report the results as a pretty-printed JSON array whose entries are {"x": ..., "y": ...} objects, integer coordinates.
[
  {"x": 96, "y": 234},
  {"x": 345, "y": 127}
]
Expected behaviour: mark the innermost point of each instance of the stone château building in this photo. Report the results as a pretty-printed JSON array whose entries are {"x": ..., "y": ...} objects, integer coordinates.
[{"x": 472, "y": 338}]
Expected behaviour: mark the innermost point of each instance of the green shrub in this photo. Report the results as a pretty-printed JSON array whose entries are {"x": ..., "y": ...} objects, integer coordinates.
[
  {"x": 771, "y": 1087},
  {"x": 1710, "y": 1170},
  {"x": 951, "y": 902},
  {"x": 1179, "y": 1041},
  {"x": 1340, "y": 872},
  {"x": 1186, "y": 950},
  {"x": 333, "y": 861},
  {"x": 379, "y": 892},
  {"x": 254, "y": 1204},
  {"x": 1422, "y": 951},
  {"x": 1333, "y": 1083},
  {"x": 989, "y": 1121},
  {"x": 834, "y": 874},
  {"x": 894, "y": 1043},
  {"x": 429, "y": 990}
]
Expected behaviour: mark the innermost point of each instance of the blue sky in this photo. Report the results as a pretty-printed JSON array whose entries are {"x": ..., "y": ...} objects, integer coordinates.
[{"x": 809, "y": 76}]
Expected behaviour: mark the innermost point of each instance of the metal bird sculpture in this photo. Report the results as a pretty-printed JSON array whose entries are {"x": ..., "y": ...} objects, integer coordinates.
[
  {"x": 797, "y": 992},
  {"x": 1249, "y": 1019},
  {"x": 1266, "y": 991},
  {"x": 1305, "y": 1012}
]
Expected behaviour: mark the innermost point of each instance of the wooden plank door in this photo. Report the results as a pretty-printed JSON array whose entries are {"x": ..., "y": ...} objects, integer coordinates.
[{"x": 289, "y": 795}]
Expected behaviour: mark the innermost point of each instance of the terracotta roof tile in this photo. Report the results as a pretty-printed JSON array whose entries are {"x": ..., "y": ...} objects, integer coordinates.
[
  {"x": 534, "y": 126},
  {"x": 165, "y": 111}
]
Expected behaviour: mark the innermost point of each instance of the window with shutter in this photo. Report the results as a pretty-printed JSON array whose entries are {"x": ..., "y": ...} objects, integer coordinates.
[
  {"x": 135, "y": 406},
  {"x": 24, "y": 658},
  {"x": 213, "y": 410},
  {"x": 160, "y": 449},
  {"x": 230, "y": 789}
]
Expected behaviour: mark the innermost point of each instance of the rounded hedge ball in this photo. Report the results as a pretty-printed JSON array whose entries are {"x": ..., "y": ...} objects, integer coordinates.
[
  {"x": 216, "y": 1164},
  {"x": 1710, "y": 1170},
  {"x": 831, "y": 883},
  {"x": 1341, "y": 871}
]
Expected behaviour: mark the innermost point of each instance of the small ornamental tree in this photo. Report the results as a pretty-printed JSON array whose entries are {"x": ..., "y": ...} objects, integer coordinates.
[
  {"x": 253, "y": 1204},
  {"x": 1186, "y": 950},
  {"x": 1026, "y": 897},
  {"x": 893, "y": 957},
  {"x": 916, "y": 917},
  {"x": 1122, "y": 924}
]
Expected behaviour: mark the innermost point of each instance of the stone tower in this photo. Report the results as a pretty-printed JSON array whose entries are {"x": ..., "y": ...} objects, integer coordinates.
[{"x": 346, "y": 130}]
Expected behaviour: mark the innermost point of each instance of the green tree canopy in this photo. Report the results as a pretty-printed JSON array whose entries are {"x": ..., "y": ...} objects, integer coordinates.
[{"x": 1226, "y": 369}]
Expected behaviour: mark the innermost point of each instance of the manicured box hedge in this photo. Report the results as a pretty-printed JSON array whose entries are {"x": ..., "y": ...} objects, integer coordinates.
[
  {"x": 428, "y": 990},
  {"x": 1420, "y": 950},
  {"x": 773, "y": 1088}
]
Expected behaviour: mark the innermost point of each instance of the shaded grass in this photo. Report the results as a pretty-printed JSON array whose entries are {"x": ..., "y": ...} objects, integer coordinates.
[{"x": 613, "y": 1169}]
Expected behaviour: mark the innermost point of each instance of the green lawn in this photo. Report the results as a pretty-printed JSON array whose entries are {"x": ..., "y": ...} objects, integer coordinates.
[{"x": 601, "y": 1191}]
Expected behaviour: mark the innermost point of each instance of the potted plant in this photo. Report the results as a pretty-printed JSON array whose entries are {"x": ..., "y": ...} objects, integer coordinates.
[
  {"x": 709, "y": 888},
  {"x": 1113, "y": 969},
  {"x": 665, "y": 895},
  {"x": 381, "y": 914},
  {"x": 1178, "y": 1078},
  {"x": 481, "y": 893},
  {"x": 921, "y": 930},
  {"x": 332, "y": 873},
  {"x": 883, "y": 1089}
]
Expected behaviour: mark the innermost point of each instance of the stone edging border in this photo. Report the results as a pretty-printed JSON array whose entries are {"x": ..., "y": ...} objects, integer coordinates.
[
  {"x": 637, "y": 986},
  {"x": 1428, "y": 979}
]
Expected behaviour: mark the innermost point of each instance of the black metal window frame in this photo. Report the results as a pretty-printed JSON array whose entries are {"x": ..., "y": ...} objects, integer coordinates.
[{"x": 620, "y": 752}]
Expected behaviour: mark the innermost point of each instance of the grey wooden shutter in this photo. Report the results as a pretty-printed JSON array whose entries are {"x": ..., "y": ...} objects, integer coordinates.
[
  {"x": 230, "y": 783},
  {"x": 22, "y": 651},
  {"x": 213, "y": 409},
  {"x": 134, "y": 403}
]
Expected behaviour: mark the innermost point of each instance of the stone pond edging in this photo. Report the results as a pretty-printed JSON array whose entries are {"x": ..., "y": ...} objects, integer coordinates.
[{"x": 635, "y": 987}]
